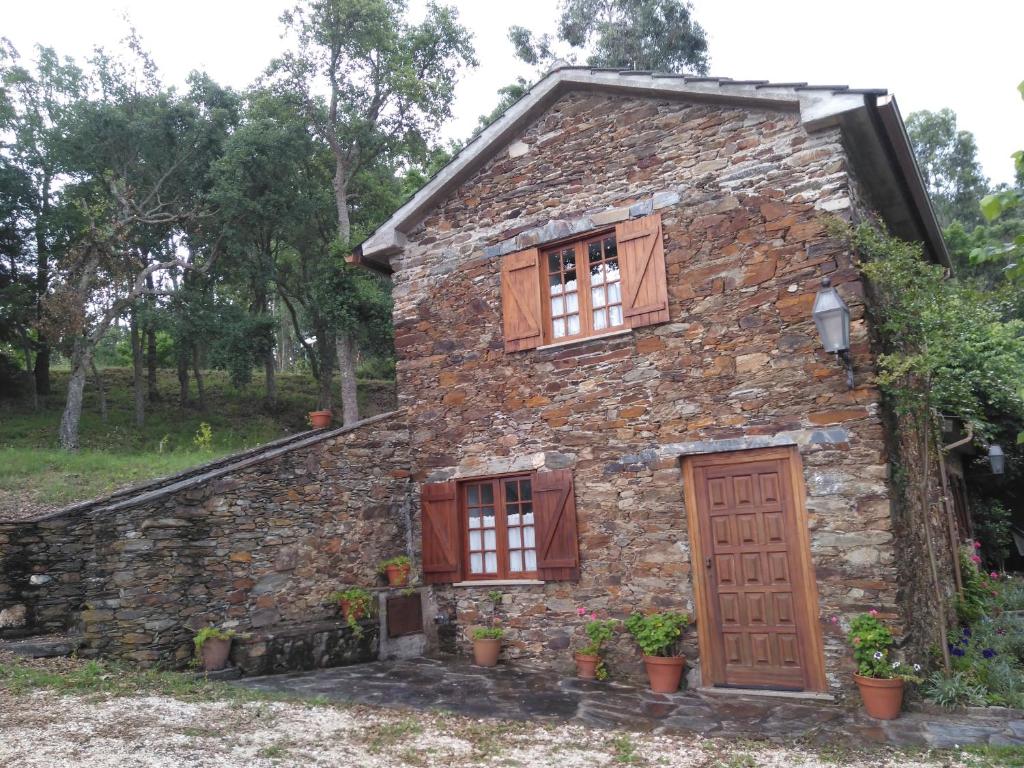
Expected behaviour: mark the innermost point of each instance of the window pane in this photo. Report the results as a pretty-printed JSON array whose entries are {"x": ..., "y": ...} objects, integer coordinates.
[
  {"x": 572, "y": 302},
  {"x": 474, "y": 495},
  {"x": 600, "y": 319},
  {"x": 488, "y": 517},
  {"x": 515, "y": 562},
  {"x": 558, "y": 306},
  {"x": 594, "y": 251},
  {"x": 490, "y": 539},
  {"x": 474, "y": 518},
  {"x": 524, "y": 490},
  {"x": 527, "y": 514},
  {"x": 569, "y": 260},
  {"x": 574, "y": 324},
  {"x": 491, "y": 562},
  {"x": 570, "y": 280},
  {"x": 616, "y": 315},
  {"x": 515, "y": 540},
  {"x": 531, "y": 560},
  {"x": 610, "y": 249},
  {"x": 558, "y": 328},
  {"x": 512, "y": 491},
  {"x": 611, "y": 271},
  {"x": 476, "y": 564},
  {"x": 554, "y": 264},
  {"x": 528, "y": 536},
  {"x": 487, "y": 494},
  {"x": 474, "y": 541},
  {"x": 615, "y": 293},
  {"x": 513, "y": 519},
  {"x": 596, "y": 274},
  {"x": 597, "y": 296},
  {"x": 556, "y": 284}
]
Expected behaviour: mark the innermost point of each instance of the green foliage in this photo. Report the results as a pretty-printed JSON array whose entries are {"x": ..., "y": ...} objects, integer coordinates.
[
  {"x": 211, "y": 633},
  {"x": 972, "y": 604},
  {"x": 398, "y": 561},
  {"x": 947, "y": 345},
  {"x": 360, "y": 602},
  {"x": 658, "y": 634},
  {"x": 204, "y": 437},
  {"x": 495, "y": 596},
  {"x": 658, "y": 35},
  {"x": 488, "y": 633},
  {"x": 954, "y": 691},
  {"x": 598, "y": 632},
  {"x": 871, "y": 642},
  {"x": 993, "y": 526}
]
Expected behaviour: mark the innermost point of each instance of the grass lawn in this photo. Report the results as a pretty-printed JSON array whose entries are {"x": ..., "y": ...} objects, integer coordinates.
[
  {"x": 70, "y": 712},
  {"x": 36, "y": 475}
]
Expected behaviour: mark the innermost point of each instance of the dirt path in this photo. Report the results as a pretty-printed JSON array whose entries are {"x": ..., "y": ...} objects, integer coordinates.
[{"x": 41, "y": 729}]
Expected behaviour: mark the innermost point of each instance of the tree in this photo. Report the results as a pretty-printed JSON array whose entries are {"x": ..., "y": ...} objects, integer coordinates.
[
  {"x": 657, "y": 35},
  {"x": 507, "y": 96},
  {"x": 948, "y": 160},
  {"x": 389, "y": 84}
]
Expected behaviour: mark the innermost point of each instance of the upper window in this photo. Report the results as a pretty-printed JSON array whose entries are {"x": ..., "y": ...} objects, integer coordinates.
[
  {"x": 597, "y": 284},
  {"x": 586, "y": 288}
]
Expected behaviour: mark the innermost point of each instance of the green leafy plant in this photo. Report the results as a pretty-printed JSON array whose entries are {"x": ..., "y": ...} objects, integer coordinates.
[
  {"x": 977, "y": 592},
  {"x": 203, "y": 439},
  {"x": 495, "y": 596},
  {"x": 871, "y": 642},
  {"x": 399, "y": 561},
  {"x": 488, "y": 633},
  {"x": 954, "y": 691},
  {"x": 211, "y": 633},
  {"x": 359, "y": 603},
  {"x": 658, "y": 634},
  {"x": 598, "y": 632}
]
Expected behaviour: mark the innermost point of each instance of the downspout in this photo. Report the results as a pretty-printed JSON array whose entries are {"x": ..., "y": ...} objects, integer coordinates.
[{"x": 954, "y": 545}]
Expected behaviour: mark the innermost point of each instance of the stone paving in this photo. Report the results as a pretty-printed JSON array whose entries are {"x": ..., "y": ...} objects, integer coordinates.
[{"x": 519, "y": 692}]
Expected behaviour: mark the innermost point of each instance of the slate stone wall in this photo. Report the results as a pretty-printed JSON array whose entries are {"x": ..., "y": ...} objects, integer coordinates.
[
  {"x": 743, "y": 195},
  {"x": 257, "y": 548}
]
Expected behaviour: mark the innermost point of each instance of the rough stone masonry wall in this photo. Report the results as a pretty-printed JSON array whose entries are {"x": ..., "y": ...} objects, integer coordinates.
[
  {"x": 740, "y": 359},
  {"x": 257, "y": 548}
]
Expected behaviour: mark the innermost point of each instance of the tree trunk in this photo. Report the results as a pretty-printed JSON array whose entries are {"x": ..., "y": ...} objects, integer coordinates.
[
  {"x": 42, "y": 367},
  {"x": 325, "y": 353},
  {"x": 101, "y": 390},
  {"x": 199, "y": 378},
  {"x": 151, "y": 383},
  {"x": 81, "y": 359},
  {"x": 137, "y": 371},
  {"x": 347, "y": 372},
  {"x": 26, "y": 348},
  {"x": 269, "y": 374},
  {"x": 341, "y": 200},
  {"x": 182, "y": 379}
]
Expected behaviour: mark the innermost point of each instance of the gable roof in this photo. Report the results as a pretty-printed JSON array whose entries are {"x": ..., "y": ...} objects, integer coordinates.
[{"x": 876, "y": 140}]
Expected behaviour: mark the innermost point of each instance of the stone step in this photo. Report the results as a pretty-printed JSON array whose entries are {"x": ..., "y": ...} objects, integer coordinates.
[{"x": 43, "y": 646}]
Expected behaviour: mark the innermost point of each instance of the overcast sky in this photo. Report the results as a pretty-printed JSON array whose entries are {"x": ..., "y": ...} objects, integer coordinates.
[{"x": 930, "y": 54}]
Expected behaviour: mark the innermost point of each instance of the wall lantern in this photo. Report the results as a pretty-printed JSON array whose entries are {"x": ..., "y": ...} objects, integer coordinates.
[
  {"x": 832, "y": 317},
  {"x": 996, "y": 459}
]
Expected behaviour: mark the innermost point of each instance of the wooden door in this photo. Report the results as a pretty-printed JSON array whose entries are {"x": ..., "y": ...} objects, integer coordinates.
[{"x": 757, "y": 600}]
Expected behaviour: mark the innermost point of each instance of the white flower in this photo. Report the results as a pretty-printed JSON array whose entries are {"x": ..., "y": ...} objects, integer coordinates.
[
  {"x": 917, "y": 667},
  {"x": 895, "y": 665},
  {"x": 878, "y": 655}
]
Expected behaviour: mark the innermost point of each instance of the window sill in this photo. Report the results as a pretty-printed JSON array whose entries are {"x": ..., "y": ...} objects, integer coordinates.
[
  {"x": 570, "y": 342},
  {"x": 500, "y": 583}
]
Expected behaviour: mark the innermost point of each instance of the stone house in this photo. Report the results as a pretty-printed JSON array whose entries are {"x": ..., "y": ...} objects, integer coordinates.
[{"x": 611, "y": 395}]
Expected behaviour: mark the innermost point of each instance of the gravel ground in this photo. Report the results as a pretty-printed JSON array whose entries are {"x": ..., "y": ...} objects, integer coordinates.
[{"x": 42, "y": 728}]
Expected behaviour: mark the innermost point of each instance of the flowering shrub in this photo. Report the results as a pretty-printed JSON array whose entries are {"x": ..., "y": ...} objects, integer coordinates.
[{"x": 871, "y": 642}]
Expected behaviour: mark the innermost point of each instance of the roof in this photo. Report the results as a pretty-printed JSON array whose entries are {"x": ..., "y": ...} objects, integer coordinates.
[{"x": 876, "y": 139}]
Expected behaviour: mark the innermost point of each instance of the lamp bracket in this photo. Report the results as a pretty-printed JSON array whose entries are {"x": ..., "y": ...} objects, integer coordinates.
[{"x": 844, "y": 359}]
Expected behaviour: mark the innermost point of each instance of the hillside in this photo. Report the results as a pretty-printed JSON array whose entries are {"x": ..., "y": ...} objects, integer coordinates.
[{"x": 35, "y": 475}]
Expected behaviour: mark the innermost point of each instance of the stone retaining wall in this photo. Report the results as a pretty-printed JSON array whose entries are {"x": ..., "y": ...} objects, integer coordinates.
[{"x": 256, "y": 545}]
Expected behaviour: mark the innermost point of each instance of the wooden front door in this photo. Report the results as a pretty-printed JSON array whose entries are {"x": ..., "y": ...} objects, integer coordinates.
[{"x": 756, "y": 595}]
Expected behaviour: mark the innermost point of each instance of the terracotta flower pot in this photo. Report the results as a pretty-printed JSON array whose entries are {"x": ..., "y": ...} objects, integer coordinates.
[
  {"x": 485, "y": 652},
  {"x": 398, "y": 575},
  {"x": 882, "y": 699},
  {"x": 586, "y": 666},
  {"x": 215, "y": 654},
  {"x": 664, "y": 672},
  {"x": 358, "y": 609},
  {"x": 320, "y": 419}
]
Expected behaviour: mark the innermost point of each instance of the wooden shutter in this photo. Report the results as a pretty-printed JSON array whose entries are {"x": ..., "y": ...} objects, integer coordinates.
[
  {"x": 558, "y": 553},
  {"x": 642, "y": 261},
  {"x": 520, "y": 300},
  {"x": 439, "y": 511}
]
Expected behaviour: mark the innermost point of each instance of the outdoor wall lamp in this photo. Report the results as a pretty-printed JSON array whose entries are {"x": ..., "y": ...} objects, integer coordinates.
[
  {"x": 832, "y": 317},
  {"x": 996, "y": 459}
]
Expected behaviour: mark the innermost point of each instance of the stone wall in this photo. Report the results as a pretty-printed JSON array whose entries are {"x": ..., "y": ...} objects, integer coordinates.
[
  {"x": 743, "y": 194},
  {"x": 255, "y": 545}
]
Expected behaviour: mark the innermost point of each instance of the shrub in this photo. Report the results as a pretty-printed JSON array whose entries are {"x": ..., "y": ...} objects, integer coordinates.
[
  {"x": 488, "y": 633},
  {"x": 658, "y": 634},
  {"x": 953, "y": 691}
]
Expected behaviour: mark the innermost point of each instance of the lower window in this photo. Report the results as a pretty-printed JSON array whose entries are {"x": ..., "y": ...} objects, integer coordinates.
[{"x": 498, "y": 520}]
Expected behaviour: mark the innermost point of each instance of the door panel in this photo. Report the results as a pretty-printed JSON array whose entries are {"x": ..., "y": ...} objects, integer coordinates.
[{"x": 756, "y": 583}]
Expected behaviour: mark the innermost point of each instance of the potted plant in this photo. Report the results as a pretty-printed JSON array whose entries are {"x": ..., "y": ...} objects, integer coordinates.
[
  {"x": 658, "y": 635},
  {"x": 589, "y": 664},
  {"x": 355, "y": 604},
  {"x": 213, "y": 646},
  {"x": 487, "y": 645},
  {"x": 320, "y": 419},
  {"x": 397, "y": 570},
  {"x": 879, "y": 679}
]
